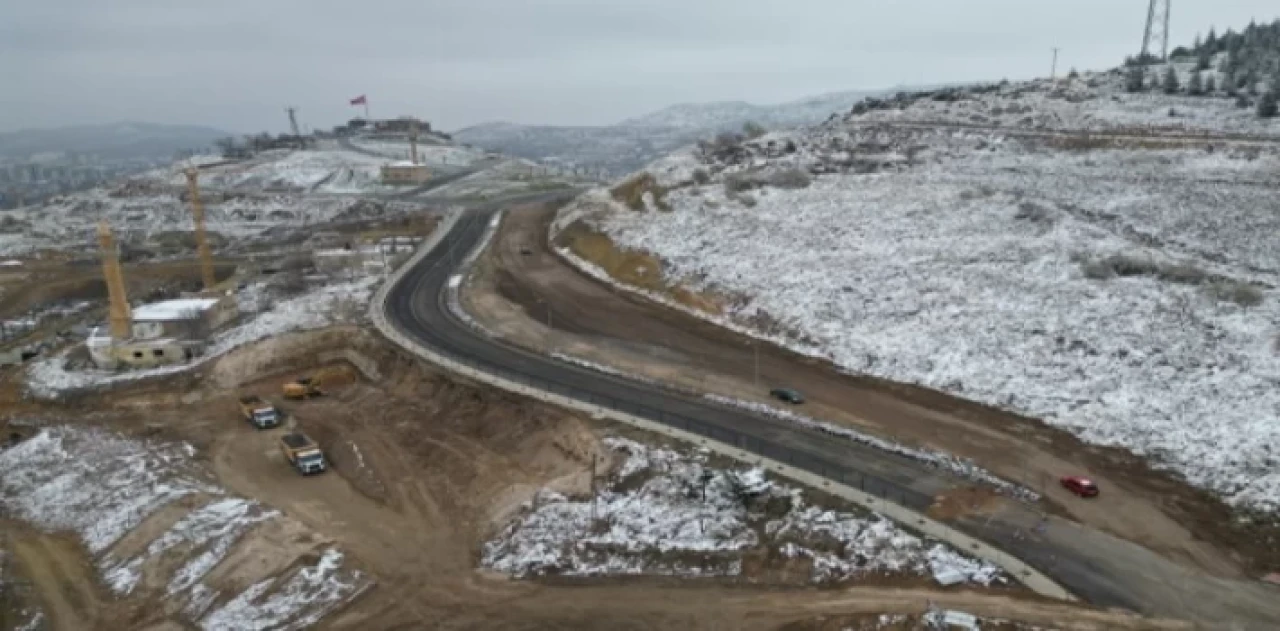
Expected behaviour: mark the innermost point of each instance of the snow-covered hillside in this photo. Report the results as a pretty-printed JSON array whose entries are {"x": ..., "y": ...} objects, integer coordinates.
[
  {"x": 671, "y": 513},
  {"x": 1120, "y": 288},
  {"x": 204, "y": 551},
  {"x": 275, "y": 190}
]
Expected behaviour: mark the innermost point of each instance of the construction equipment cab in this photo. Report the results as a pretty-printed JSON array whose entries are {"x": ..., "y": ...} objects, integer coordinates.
[
  {"x": 302, "y": 453},
  {"x": 259, "y": 412},
  {"x": 303, "y": 388}
]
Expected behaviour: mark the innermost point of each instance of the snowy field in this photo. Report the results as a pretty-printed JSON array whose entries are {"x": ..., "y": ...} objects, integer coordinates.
[
  {"x": 670, "y": 513},
  {"x": 70, "y": 221},
  {"x": 244, "y": 201},
  {"x": 49, "y": 377},
  {"x": 315, "y": 171},
  {"x": 1093, "y": 101},
  {"x": 1125, "y": 295},
  {"x": 102, "y": 487}
]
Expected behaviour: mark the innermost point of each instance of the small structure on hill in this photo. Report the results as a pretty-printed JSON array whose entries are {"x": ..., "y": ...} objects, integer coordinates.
[
  {"x": 153, "y": 334},
  {"x": 401, "y": 173},
  {"x": 405, "y": 172}
]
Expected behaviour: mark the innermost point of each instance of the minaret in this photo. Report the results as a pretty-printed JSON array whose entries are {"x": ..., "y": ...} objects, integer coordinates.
[
  {"x": 202, "y": 241},
  {"x": 121, "y": 317}
]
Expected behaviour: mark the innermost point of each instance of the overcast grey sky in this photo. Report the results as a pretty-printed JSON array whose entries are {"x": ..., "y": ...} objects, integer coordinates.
[{"x": 236, "y": 63}]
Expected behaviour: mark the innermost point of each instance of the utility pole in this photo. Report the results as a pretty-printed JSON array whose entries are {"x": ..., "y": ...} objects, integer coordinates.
[
  {"x": 1053, "y": 70},
  {"x": 293, "y": 120},
  {"x": 1155, "y": 38},
  {"x": 755, "y": 349},
  {"x": 593, "y": 490}
]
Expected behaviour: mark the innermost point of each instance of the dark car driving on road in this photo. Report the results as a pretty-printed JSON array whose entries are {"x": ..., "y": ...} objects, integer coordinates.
[{"x": 788, "y": 395}]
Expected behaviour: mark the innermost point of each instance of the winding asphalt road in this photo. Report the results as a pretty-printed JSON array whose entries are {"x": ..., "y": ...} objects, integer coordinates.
[{"x": 1102, "y": 569}]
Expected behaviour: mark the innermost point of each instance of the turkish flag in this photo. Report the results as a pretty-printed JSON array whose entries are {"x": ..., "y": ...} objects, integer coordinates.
[{"x": 359, "y": 100}]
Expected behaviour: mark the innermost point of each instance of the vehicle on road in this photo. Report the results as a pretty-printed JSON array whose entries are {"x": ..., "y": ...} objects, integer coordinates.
[
  {"x": 259, "y": 412},
  {"x": 303, "y": 453},
  {"x": 788, "y": 395},
  {"x": 1082, "y": 486}
]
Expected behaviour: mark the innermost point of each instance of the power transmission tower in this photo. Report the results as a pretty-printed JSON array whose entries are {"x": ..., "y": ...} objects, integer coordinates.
[
  {"x": 1156, "y": 37},
  {"x": 293, "y": 120}
]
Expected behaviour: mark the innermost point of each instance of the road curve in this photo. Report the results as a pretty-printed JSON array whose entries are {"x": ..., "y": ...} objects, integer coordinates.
[{"x": 1102, "y": 569}]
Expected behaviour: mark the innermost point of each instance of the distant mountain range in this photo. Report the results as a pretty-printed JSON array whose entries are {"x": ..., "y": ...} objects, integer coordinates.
[
  {"x": 635, "y": 142},
  {"x": 114, "y": 141},
  {"x": 725, "y": 115}
]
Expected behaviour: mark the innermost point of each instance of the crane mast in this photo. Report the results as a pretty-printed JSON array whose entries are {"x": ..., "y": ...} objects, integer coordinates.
[
  {"x": 120, "y": 316},
  {"x": 202, "y": 241}
]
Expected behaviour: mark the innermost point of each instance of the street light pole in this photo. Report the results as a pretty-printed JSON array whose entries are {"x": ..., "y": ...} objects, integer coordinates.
[{"x": 755, "y": 348}]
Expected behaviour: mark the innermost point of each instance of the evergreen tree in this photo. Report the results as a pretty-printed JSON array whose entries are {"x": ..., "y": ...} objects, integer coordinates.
[
  {"x": 1267, "y": 107},
  {"x": 1202, "y": 62},
  {"x": 1133, "y": 81},
  {"x": 1210, "y": 85},
  {"x": 1211, "y": 42},
  {"x": 1195, "y": 86},
  {"x": 1170, "y": 83}
]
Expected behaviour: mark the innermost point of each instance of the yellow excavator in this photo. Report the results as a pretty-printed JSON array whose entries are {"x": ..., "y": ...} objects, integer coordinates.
[
  {"x": 313, "y": 385},
  {"x": 305, "y": 387}
]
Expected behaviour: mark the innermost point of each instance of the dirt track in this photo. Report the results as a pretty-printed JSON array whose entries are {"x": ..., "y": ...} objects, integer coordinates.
[
  {"x": 424, "y": 469},
  {"x": 589, "y": 320}
]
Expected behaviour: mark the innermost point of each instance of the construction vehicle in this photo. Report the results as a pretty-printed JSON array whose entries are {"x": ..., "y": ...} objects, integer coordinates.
[
  {"x": 304, "y": 388},
  {"x": 259, "y": 412},
  {"x": 302, "y": 453}
]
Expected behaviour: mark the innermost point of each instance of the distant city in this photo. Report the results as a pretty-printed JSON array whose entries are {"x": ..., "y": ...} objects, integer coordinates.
[{"x": 35, "y": 179}]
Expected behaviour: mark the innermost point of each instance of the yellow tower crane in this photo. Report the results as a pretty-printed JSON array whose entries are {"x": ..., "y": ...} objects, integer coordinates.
[
  {"x": 202, "y": 242},
  {"x": 121, "y": 317}
]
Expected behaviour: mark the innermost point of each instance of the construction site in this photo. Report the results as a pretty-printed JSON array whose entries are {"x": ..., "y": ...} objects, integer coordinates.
[
  {"x": 243, "y": 380},
  {"x": 376, "y": 379}
]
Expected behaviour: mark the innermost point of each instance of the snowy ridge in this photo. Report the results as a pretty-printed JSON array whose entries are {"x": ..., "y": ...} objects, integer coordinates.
[
  {"x": 670, "y": 513},
  {"x": 959, "y": 466},
  {"x": 101, "y": 486},
  {"x": 49, "y": 377},
  {"x": 1124, "y": 293},
  {"x": 93, "y": 483}
]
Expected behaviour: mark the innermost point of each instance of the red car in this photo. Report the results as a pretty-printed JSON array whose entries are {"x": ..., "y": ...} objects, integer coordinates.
[{"x": 1082, "y": 486}]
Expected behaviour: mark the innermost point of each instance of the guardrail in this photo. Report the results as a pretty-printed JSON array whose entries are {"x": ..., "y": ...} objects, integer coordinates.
[{"x": 892, "y": 500}]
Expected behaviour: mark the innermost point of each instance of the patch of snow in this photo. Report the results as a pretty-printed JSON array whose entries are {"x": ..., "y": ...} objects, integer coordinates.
[
  {"x": 669, "y": 513},
  {"x": 294, "y": 603},
  {"x": 100, "y": 486},
  {"x": 179, "y": 309},
  {"x": 212, "y": 530},
  {"x": 94, "y": 483}
]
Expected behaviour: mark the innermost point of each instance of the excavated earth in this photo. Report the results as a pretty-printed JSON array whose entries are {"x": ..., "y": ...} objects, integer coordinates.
[{"x": 426, "y": 468}]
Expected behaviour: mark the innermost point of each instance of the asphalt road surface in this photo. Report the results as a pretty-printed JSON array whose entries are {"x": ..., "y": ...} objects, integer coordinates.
[{"x": 1101, "y": 569}]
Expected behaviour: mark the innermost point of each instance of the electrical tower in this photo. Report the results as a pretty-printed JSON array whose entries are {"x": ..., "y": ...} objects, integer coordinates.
[
  {"x": 1155, "y": 40},
  {"x": 293, "y": 120}
]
